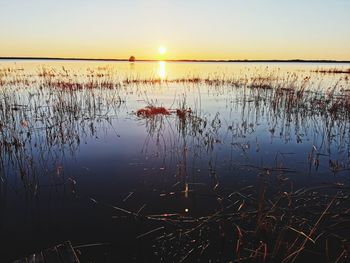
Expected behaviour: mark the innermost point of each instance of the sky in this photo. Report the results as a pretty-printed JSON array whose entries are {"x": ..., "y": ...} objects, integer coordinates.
[{"x": 188, "y": 29}]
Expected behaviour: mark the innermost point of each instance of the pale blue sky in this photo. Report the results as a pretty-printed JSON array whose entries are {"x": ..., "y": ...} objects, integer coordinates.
[{"x": 227, "y": 29}]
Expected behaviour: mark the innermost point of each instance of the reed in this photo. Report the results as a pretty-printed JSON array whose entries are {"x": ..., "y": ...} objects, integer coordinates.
[{"x": 46, "y": 115}]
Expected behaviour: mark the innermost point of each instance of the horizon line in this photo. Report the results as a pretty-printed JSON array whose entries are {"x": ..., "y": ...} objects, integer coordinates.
[{"x": 180, "y": 60}]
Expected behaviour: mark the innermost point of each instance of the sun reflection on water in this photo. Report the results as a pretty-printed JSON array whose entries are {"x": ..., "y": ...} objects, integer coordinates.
[{"x": 162, "y": 70}]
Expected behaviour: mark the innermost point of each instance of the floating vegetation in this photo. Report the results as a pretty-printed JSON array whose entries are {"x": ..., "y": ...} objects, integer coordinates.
[
  {"x": 151, "y": 111},
  {"x": 288, "y": 226}
]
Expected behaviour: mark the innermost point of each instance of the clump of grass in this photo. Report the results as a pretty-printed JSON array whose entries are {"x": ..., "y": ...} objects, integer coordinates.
[
  {"x": 183, "y": 113},
  {"x": 332, "y": 71},
  {"x": 151, "y": 111}
]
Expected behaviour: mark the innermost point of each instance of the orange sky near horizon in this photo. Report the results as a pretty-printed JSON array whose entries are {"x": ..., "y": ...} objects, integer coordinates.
[
  {"x": 173, "y": 52},
  {"x": 188, "y": 29}
]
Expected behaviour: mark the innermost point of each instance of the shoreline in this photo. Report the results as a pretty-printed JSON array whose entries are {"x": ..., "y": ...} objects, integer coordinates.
[{"x": 184, "y": 60}]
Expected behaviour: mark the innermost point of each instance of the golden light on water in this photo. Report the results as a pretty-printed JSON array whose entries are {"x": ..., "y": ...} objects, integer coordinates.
[{"x": 162, "y": 69}]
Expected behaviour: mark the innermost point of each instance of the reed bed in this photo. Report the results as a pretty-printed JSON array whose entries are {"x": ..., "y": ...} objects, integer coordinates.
[
  {"x": 332, "y": 71},
  {"x": 44, "y": 116}
]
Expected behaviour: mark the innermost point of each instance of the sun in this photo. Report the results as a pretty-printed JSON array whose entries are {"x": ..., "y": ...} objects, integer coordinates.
[{"x": 162, "y": 50}]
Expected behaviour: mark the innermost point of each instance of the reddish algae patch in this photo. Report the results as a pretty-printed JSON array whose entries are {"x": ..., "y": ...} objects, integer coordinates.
[{"x": 151, "y": 111}]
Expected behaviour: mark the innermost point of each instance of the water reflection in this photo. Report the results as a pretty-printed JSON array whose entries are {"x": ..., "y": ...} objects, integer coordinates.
[
  {"x": 162, "y": 70},
  {"x": 77, "y": 136}
]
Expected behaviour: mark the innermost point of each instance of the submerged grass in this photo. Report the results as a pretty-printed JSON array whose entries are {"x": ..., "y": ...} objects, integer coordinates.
[
  {"x": 288, "y": 226},
  {"x": 45, "y": 115}
]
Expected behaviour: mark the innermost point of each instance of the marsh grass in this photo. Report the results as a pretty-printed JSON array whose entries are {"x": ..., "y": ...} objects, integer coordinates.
[
  {"x": 332, "y": 71},
  {"x": 46, "y": 115}
]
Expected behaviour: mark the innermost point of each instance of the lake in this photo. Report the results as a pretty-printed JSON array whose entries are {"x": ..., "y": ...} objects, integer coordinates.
[{"x": 175, "y": 161}]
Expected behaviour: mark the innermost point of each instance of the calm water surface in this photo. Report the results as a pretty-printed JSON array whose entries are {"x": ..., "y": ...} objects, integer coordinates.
[{"x": 68, "y": 157}]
